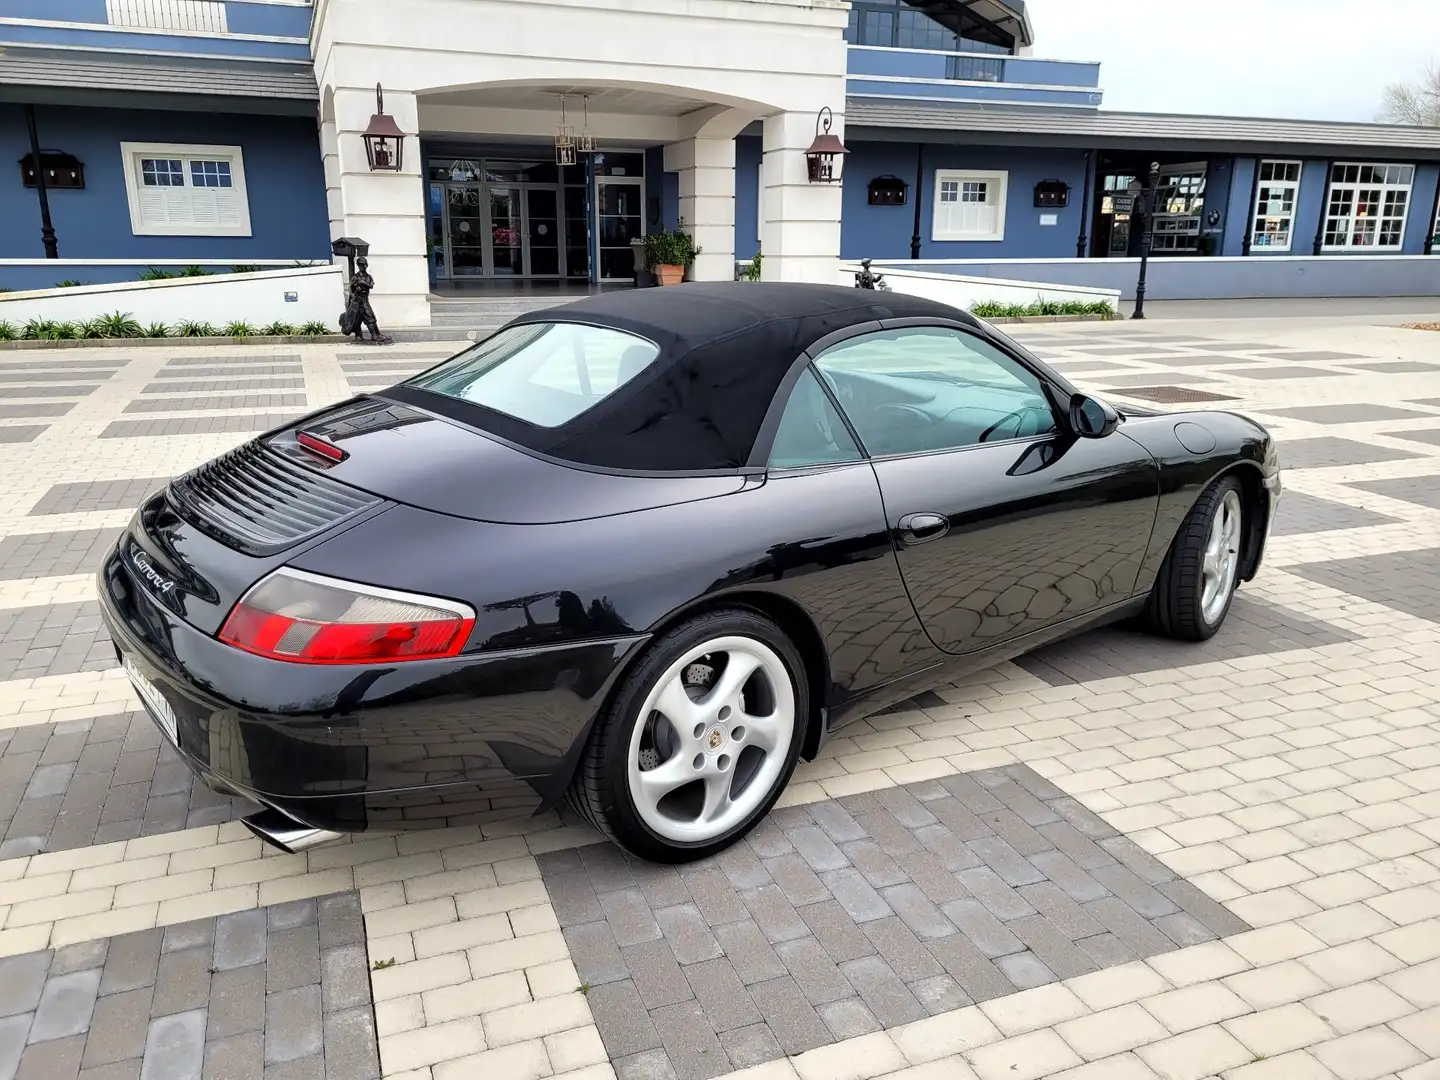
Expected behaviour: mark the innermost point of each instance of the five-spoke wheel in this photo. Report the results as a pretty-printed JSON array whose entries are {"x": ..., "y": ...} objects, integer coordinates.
[
  {"x": 1198, "y": 578},
  {"x": 699, "y": 739}
]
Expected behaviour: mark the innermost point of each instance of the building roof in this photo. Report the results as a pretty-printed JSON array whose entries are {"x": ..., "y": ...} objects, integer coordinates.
[
  {"x": 1106, "y": 129},
  {"x": 22, "y": 71}
]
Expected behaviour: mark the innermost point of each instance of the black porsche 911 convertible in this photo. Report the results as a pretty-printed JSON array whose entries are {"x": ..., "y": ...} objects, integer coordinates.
[{"x": 644, "y": 551}]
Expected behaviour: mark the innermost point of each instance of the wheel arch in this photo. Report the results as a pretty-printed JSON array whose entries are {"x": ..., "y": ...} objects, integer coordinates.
[
  {"x": 1257, "y": 511},
  {"x": 797, "y": 625}
]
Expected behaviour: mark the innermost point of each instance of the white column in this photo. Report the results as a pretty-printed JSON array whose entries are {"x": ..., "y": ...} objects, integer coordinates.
[
  {"x": 800, "y": 234},
  {"x": 386, "y": 209},
  {"x": 707, "y": 202},
  {"x": 330, "y": 158}
]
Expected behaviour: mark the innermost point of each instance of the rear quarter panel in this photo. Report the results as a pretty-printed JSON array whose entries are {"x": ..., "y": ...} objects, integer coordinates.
[{"x": 1185, "y": 474}]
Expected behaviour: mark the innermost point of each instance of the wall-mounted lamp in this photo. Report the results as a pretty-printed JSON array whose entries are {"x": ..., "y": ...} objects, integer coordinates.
[
  {"x": 820, "y": 158},
  {"x": 62, "y": 170},
  {"x": 384, "y": 141}
]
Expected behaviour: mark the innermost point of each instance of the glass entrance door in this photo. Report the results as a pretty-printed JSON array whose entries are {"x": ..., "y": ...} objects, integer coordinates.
[
  {"x": 465, "y": 230},
  {"x": 543, "y": 231},
  {"x": 507, "y": 233},
  {"x": 620, "y": 218}
]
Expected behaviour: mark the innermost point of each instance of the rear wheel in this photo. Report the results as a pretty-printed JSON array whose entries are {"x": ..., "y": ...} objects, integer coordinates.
[
  {"x": 699, "y": 739},
  {"x": 1197, "y": 581}
]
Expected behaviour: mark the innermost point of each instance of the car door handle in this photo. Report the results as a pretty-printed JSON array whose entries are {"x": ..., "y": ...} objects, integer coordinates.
[{"x": 921, "y": 528}]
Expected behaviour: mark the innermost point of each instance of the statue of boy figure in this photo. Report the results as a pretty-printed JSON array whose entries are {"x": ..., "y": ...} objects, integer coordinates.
[{"x": 358, "y": 313}]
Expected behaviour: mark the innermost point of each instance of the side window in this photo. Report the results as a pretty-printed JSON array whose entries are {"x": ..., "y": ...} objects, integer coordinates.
[
  {"x": 811, "y": 431},
  {"x": 925, "y": 388}
]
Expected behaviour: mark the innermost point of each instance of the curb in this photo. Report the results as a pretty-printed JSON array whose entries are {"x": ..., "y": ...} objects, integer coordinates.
[
  {"x": 1011, "y": 319},
  {"x": 192, "y": 342}
]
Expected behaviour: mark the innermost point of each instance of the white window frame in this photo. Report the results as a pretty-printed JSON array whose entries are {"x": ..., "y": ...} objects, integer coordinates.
[
  {"x": 131, "y": 155},
  {"x": 1260, "y": 187},
  {"x": 1331, "y": 186},
  {"x": 999, "y": 179}
]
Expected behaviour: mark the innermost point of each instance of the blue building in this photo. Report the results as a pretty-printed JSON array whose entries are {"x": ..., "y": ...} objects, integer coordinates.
[{"x": 229, "y": 132}]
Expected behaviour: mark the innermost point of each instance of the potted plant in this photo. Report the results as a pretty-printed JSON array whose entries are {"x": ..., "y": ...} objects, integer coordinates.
[{"x": 670, "y": 252}]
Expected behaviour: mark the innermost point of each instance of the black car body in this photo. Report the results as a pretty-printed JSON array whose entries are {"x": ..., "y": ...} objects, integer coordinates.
[{"x": 573, "y": 545}]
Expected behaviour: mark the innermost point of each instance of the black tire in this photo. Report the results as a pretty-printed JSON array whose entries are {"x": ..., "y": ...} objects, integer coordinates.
[
  {"x": 600, "y": 791},
  {"x": 1174, "y": 609}
]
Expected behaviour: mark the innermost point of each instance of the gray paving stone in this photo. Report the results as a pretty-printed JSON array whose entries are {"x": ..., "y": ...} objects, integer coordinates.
[
  {"x": 625, "y": 1025},
  {"x": 341, "y": 922},
  {"x": 310, "y": 1068},
  {"x": 837, "y": 930},
  {"x": 118, "y": 1027},
  {"x": 817, "y": 849},
  {"x": 190, "y": 935},
  {"x": 90, "y": 495},
  {"x": 351, "y": 1049},
  {"x": 22, "y": 980},
  {"x": 293, "y": 958},
  {"x": 715, "y": 897},
  {"x": 345, "y": 978},
  {"x": 873, "y": 862},
  {"x": 939, "y": 993},
  {"x": 814, "y": 971},
  {"x": 687, "y": 935},
  {"x": 238, "y": 1057},
  {"x": 239, "y": 940},
  {"x": 81, "y": 956},
  {"x": 752, "y": 956},
  {"x": 848, "y": 1019},
  {"x": 1025, "y": 970},
  {"x": 725, "y": 1000},
  {"x": 121, "y": 1070},
  {"x": 182, "y": 982},
  {"x": 595, "y": 954},
  {"x": 573, "y": 898},
  {"x": 882, "y": 991},
  {"x": 775, "y": 915},
  {"x": 917, "y": 912},
  {"x": 629, "y": 916},
  {"x": 13, "y": 1030},
  {"x": 58, "y": 1059},
  {"x": 237, "y": 1001},
  {"x": 795, "y": 1024},
  {"x": 656, "y": 975},
  {"x": 902, "y": 950},
  {"x": 857, "y": 896},
  {"x": 646, "y": 1065},
  {"x": 174, "y": 1047},
  {"x": 748, "y": 1047},
  {"x": 293, "y": 1027},
  {"x": 742, "y": 868},
  {"x": 66, "y": 1005},
  {"x": 662, "y": 886}
]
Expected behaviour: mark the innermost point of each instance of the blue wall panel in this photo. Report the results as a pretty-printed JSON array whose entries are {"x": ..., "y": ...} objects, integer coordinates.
[
  {"x": 1422, "y": 206},
  {"x": 885, "y": 231},
  {"x": 1314, "y": 183},
  {"x": 748, "y": 153},
  {"x": 1242, "y": 179},
  {"x": 283, "y": 174},
  {"x": 125, "y": 41},
  {"x": 279, "y": 20},
  {"x": 1217, "y": 197},
  {"x": 972, "y": 92},
  {"x": 56, "y": 10}
]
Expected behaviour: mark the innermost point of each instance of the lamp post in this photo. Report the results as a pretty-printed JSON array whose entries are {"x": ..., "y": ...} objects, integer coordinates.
[
  {"x": 47, "y": 229},
  {"x": 1147, "y": 238}
]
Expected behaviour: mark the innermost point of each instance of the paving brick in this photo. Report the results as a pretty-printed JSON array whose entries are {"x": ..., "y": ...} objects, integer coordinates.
[
  {"x": 656, "y": 974},
  {"x": 22, "y": 979},
  {"x": 795, "y": 1024},
  {"x": 174, "y": 1046},
  {"x": 118, "y": 1027},
  {"x": 237, "y": 1002},
  {"x": 293, "y": 1027},
  {"x": 748, "y": 951},
  {"x": 66, "y": 1005}
]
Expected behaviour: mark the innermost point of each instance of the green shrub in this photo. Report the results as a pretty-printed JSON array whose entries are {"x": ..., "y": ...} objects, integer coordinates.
[
  {"x": 670, "y": 247},
  {"x": 278, "y": 329},
  {"x": 50, "y": 330},
  {"x": 8, "y": 331},
  {"x": 157, "y": 329},
  {"x": 152, "y": 274},
  {"x": 68, "y": 283},
  {"x": 995, "y": 309},
  {"x": 244, "y": 268},
  {"x": 195, "y": 271},
  {"x": 314, "y": 329},
  {"x": 752, "y": 271},
  {"x": 238, "y": 330},
  {"x": 91, "y": 328},
  {"x": 119, "y": 324},
  {"x": 188, "y": 328}
]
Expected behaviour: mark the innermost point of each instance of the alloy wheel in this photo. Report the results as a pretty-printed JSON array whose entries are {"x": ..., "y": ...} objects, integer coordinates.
[
  {"x": 1222, "y": 557},
  {"x": 712, "y": 740}
]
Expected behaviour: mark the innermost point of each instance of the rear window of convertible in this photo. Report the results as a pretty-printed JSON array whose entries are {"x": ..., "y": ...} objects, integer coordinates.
[{"x": 544, "y": 374}]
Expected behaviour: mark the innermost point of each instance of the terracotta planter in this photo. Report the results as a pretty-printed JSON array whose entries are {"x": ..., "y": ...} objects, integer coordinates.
[{"x": 670, "y": 275}]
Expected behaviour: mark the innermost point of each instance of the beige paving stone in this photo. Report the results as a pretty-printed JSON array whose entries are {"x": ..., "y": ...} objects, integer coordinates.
[
  {"x": 1195, "y": 1054},
  {"x": 854, "y": 1059},
  {"x": 1044, "y": 1006},
  {"x": 402, "y": 1014},
  {"x": 430, "y": 1045},
  {"x": 552, "y": 979},
  {"x": 102, "y": 924},
  {"x": 1297, "y": 1065},
  {"x": 1112, "y": 1032},
  {"x": 522, "y": 1061},
  {"x": 1198, "y": 963},
  {"x": 1354, "y": 962},
  {"x": 412, "y": 916},
  {"x": 1284, "y": 941},
  {"x": 536, "y": 1019},
  {"x": 418, "y": 976},
  {"x": 577, "y": 1048},
  {"x": 1413, "y": 944},
  {"x": 516, "y": 954},
  {"x": 1366, "y": 1055},
  {"x": 1121, "y": 985},
  {"x": 1357, "y": 1007},
  {"x": 1418, "y": 984},
  {"x": 1349, "y": 923},
  {"x": 457, "y": 936},
  {"x": 1195, "y": 1006},
  {"x": 1421, "y": 1030},
  {"x": 1282, "y": 1029},
  {"x": 207, "y": 905},
  {"x": 1030, "y": 1056}
]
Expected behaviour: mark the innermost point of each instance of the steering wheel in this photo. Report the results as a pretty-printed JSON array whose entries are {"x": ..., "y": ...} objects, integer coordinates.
[{"x": 1017, "y": 414}]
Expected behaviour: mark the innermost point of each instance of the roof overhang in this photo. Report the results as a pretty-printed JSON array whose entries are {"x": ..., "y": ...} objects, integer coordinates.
[
  {"x": 74, "y": 77},
  {"x": 1000, "y": 22},
  {"x": 889, "y": 119}
]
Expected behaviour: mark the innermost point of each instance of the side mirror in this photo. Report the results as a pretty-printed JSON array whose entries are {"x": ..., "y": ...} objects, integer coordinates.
[{"x": 1091, "y": 418}]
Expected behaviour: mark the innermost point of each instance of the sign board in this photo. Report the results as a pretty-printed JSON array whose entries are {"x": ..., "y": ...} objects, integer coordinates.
[{"x": 1124, "y": 204}]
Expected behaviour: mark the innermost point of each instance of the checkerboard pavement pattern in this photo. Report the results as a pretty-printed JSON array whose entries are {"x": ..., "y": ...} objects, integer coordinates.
[{"x": 1115, "y": 858}]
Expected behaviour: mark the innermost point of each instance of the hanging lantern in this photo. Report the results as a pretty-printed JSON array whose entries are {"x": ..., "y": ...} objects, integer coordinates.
[
  {"x": 384, "y": 141},
  {"x": 585, "y": 143},
  {"x": 820, "y": 158},
  {"x": 564, "y": 140}
]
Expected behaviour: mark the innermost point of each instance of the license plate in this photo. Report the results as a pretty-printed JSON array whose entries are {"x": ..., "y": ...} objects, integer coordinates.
[{"x": 153, "y": 700}]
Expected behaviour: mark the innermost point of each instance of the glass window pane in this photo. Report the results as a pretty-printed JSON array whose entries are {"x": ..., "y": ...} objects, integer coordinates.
[
  {"x": 917, "y": 390},
  {"x": 811, "y": 431},
  {"x": 545, "y": 373}
]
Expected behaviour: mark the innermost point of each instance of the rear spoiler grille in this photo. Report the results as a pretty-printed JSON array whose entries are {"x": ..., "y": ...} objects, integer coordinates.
[{"x": 256, "y": 501}]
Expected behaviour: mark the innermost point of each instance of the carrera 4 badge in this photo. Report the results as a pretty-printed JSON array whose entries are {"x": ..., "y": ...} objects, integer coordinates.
[{"x": 158, "y": 581}]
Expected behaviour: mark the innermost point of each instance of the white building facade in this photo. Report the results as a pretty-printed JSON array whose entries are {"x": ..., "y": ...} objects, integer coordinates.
[{"x": 685, "y": 75}]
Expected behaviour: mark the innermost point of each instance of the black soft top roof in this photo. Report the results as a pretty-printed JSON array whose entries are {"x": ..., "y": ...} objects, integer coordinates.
[{"x": 725, "y": 348}]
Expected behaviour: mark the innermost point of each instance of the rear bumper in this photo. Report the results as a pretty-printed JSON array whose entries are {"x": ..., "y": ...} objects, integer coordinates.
[{"x": 349, "y": 748}]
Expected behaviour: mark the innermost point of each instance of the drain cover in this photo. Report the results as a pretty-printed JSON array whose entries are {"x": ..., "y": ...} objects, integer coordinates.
[{"x": 1171, "y": 395}]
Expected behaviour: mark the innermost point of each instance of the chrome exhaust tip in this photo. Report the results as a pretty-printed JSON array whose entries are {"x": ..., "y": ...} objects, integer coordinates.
[{"x": 284, "y": 832}]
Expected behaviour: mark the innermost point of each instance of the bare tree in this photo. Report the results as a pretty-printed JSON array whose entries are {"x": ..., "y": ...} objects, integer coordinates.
[{"x": 1416, "y": 102}]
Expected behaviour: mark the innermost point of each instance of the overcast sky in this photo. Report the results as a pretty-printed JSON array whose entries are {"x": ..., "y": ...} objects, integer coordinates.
[{"x": 1301, "y": 59}]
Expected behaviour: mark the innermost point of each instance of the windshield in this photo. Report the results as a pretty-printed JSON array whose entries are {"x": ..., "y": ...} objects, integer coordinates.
[{"x": 545, "y": 374}]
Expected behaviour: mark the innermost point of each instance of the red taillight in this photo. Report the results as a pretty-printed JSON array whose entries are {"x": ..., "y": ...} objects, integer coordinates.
[
  {"x": 316, "y": 445},
  {"x": 307, "y": 619}
]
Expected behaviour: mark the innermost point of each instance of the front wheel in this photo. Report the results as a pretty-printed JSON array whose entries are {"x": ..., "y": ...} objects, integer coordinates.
[
  {"x": 699, "y": 740},
  {"x": 1198, "y": 579}
]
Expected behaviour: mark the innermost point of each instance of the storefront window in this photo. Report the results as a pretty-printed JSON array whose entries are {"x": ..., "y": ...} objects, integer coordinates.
[
  {"x": 1367, "y": 206},
  {"x": 1274, "y": 212}
]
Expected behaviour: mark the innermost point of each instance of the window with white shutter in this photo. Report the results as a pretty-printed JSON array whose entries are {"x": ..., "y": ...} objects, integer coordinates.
[
  {"x": 181, "y": 190},
  {"x": 969, "y": 205}
]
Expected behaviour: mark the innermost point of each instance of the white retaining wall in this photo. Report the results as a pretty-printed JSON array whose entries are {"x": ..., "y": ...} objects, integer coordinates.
[
  {"x": 294, "y": 295},
  {"x": 964, "y": 292}
]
